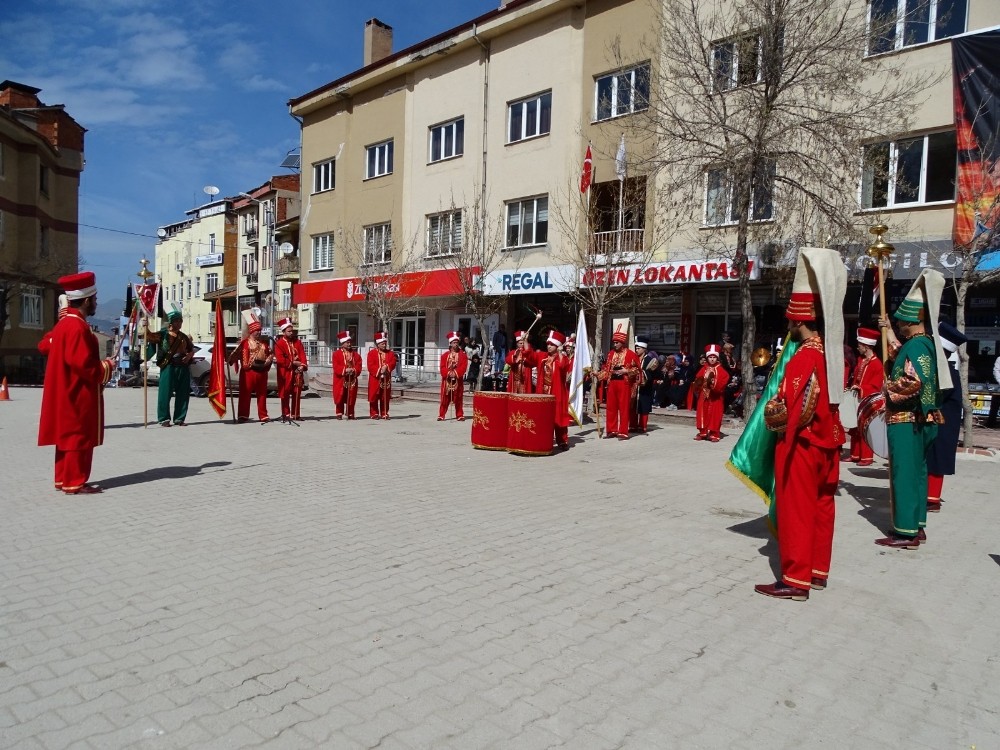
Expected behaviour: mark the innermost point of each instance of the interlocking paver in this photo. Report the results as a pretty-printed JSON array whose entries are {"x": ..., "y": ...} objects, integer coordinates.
[{"x": 243, "y": 586}]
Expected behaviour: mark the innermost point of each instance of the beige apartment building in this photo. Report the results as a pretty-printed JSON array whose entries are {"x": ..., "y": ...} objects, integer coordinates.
[
  {"x": 502, "y": 108},
  {"x": 41, "y": 158}
]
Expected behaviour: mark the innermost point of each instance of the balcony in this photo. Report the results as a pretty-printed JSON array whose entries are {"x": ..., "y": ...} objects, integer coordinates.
[
  {"x": 287, "y": 267},
  {"x": 251, "y": 234},
  {"x": 293, "y": 313},
  {"x": 607, "y": 244},
  {"x": 250, "y": 279}
]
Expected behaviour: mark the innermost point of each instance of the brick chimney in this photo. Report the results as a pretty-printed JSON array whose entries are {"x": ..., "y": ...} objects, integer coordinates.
[{"x": 378, "y": 41}]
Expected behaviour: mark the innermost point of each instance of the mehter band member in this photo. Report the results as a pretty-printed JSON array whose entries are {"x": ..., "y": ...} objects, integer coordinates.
[
  {"x": 454, "y": 364},
  {"x": 869, "y": 376},
  {"x": 254, "y": 359},
  {"x": 346, "y": 370},
  {"x": 290, "y": 358},
  {"x": 621, "y": 369},
  {"x": 941, "y": 457},
  {"x": 521, "y": 361},
  {"x": 174, "y": 352},
  {"x": 553, "y": 371},
  {"x": 710, "y": 387},
  {"x": 381, "y": 363}
]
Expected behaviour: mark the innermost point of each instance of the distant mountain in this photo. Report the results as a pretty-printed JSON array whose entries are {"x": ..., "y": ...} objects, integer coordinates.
[{"x": 107, "y": 315}]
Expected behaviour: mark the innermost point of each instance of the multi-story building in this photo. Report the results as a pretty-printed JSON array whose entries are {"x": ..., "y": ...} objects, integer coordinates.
[
  {"x": 196, "y": 265},
  {"x": 502, "y": 108},
  {"x": 41, "y": 158}
]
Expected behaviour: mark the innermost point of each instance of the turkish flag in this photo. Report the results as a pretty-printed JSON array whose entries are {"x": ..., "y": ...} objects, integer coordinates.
[
  {"x": 147, "y": 295},
  {"x": 217, "y": 375},
  {"x": 588, "y": 171}
]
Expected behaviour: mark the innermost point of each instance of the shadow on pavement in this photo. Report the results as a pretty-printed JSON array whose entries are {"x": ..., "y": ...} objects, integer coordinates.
[
  {"x": 996, "y": 559},
  {"x": 161, "y": 472},
  {"x": 874, "y": 502},
  {"x": 758, "y": 528}
]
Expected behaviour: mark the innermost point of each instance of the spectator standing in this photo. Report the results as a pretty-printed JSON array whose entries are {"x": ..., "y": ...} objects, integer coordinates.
[
  {"x": 991, "y": 420},
  {"x": 499, "y": 344}
]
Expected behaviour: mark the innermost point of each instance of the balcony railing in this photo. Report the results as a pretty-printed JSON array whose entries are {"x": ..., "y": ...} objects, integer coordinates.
[
  {"x": 607, "y": 243},
  {"x": 251, "y": 234},
  {"x": 287, "y": 266},
  {"x": 293, "y": 313},
  {"x": 250, "y": 279}
]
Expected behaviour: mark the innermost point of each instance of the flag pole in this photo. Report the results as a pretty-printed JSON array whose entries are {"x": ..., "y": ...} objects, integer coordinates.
[
  {"x": 880, "y": 250},
  {"x": 145, "y": 379}
]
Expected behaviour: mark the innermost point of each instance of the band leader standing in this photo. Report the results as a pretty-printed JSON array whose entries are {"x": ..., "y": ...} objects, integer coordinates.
[{"x": 454, "y": 364}]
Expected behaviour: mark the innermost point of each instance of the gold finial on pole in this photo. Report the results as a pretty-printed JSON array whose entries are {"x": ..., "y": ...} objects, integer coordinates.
[
  {"x": 144, "y": 273},
  {"x": 880, "y": 250}
]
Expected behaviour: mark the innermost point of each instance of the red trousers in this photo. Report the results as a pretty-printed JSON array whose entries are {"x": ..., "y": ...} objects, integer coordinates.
[
  {"x": 935, "y": 483},
  {"x": 805, "y": 481},
  {"x": 348, "y": 397},
  {"x": 73, "y": 468},
  {"x": 252, "y": 383},
  {"x": 379, "y": 408},
  {"x": 457, "y": 397},
  {"x": 859, "y": 446},
  {"x": 617, "y": 410},
  {"x": 562, "y": 435}
]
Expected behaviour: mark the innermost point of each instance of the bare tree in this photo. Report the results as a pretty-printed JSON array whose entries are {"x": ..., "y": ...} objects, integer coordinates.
[
  {"x": 606, "y": 241},
  {"x": 757, "y": 115},
  {"x": 472, "y": 247}
]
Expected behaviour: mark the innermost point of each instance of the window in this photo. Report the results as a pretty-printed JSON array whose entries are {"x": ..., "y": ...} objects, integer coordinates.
[
  {"x": 379, "y": 160},
  {"x": 528, "y": 118},
  {"x": 893, "y": 24},
  {"x": 444, "y": 234},
  {"x": 322, "y": 254},
  {"x": 915, "y": 170},
  {"x": 324, "y": 176},
  {"x": 378, "y": 244},
  {"x": 31, "y": 307},
  {"x": 43, "y": 242},
  {"x": 528, "y": 222},
  {"x": 447, "y": 141},
  {"x": 211, "y": 244},
  {"x": 197, "y": 287},
  {"x": 43, "y": 179},
  {"x": 250, "y": 224},
  {"x": 723, "y": 197},
  {"x": 189, "y": 288},
  {"x": 286, "y": 298},
  {"x": 173, "y": 292},
  {"x": 622, "y": 93},
  {"x": 211, "y": 282},
  {"x": 249, "y": 263},
  {"x": 736, "y": 62}
]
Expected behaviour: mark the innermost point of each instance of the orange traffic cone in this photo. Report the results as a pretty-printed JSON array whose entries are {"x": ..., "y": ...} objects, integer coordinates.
[{"x": 4, "y": 391}]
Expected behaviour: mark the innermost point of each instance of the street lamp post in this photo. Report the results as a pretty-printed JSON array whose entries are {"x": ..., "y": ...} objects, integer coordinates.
[{"x": 269, "y": 221}]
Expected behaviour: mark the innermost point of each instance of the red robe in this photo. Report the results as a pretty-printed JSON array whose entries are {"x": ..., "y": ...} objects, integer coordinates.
[
  {"x": 456, "y": 363},
  {"x": 521, "y": 363},
  {"x": 553, "y": 372},
  {"x": 806, "y": 469},
  {"x": 619, "y": 389},
  {"x": 868, "y": 379},
  {"x": 288, "y": 355},
  {"x": 72, "y": 416},
  {"x": 711, "y": 408},
  {"x": 252, "y": 382},
  {"x": 379, "y": 396},
  {"x": 342, "y": 395}
]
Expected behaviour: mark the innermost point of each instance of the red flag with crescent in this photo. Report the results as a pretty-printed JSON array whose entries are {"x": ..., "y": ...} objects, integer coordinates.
[
  {"x": 147, "y": 297},
  {"x": 588, "y": 171}
]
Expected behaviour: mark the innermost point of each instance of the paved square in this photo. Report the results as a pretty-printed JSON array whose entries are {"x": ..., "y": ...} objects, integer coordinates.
[{"x": 382, "y": 584}]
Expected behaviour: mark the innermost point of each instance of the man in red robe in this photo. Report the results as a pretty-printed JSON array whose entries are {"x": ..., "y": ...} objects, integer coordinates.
[
  {"x": 454, "y": 364},
  {"x": 710, "y": 382},
  {"x": 621, "y": 369},
  {"x": 290, "y": 357},
  {"x": 521, "y": 361},
  {"x": 381, "y": 363},
  {"x": 72, "y": 416},
  {"x": 553, "y": 373},
  {"x": 254, "y": 359},
  {"x": 346, "y": 369},
  {"x": 869, "y": 376},
  {"x": 46, "y": 341},
  {"x": 804, "y": 413}
]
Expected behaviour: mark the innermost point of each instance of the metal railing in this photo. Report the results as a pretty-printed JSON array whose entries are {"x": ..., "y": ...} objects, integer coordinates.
[
  {"x": 250, "y": 279},
  {"x": 606, "y": 243},
  {"x": 286, "y": 265}
]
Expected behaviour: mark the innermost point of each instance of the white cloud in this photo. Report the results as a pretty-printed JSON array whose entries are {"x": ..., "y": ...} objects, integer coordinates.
[{"x": 258, "y": 82}]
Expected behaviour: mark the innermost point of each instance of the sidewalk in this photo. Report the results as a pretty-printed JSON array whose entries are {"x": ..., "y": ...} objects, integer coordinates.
[{"x": 381, "y": 584}]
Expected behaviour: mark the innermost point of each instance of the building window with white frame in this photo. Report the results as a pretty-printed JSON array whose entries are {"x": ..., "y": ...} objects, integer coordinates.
[
  {"x": 379, "y": 160},
  {"x": 736, "y": 62},
  {"x": 723, "y": 197},
  {"x": 211, "y": 282},
  {"x": 444, "y": 234},
  {"x": 322, "y": 253},
  {"x": 621, "y": 93},
  {"x": 529, "y": 118},
  {"x": 31, "y": 307},
  {"x": 894, "y": 24},
  {"x": 211, "y": 244},
  {"x": 447, "y": 140},
  {"x": 378, "y": 244},
  {"x": 173, "y": 292},
  {"x": 527, "y": 222},
  {"x": 909, "y": 171},
  {"x": 324, "y": 176},
  {"x": 197, "y": 286},
  {"x": 286, "y": 298}
]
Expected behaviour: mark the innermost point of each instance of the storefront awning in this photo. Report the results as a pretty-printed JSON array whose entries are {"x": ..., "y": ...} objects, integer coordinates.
[{"x": 444, "y": 282}]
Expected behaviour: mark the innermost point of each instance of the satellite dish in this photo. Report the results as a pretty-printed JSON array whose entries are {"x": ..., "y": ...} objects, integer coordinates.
[
  {"x": 161, "y": 233},
  {"x": 286, "y": 248},
  {"x": 211, "y": 190}
]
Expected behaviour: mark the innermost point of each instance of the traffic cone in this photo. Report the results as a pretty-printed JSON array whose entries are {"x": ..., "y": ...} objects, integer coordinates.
[{"x": 4, "y": 391}]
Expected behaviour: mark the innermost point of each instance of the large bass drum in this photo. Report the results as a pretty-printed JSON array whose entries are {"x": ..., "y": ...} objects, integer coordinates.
[
  {"x": 849, "y": 409},
  {"x": 871, "y": 420}
]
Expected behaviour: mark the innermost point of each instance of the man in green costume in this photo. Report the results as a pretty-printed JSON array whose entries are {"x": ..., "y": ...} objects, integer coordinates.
[
  {"x": 174, "y": 352},
  {"x": 919, "y": 372}
]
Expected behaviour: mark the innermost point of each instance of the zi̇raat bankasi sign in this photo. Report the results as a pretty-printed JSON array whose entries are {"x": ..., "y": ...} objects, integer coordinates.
[{"x": 659, "y": 274}]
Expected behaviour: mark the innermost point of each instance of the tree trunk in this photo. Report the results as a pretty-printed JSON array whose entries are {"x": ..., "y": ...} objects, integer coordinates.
[
  {"x": 963, "y": 359},
  {"x": 595, "y": 360},
  {"x": 749, "y": 322}
]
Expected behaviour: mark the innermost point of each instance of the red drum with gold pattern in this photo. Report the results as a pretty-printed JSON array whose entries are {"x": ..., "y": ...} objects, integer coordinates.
[
  {"x": 489, "y": 420},
  {"x": 871, "y": 422},
  {"x": 530, "y": 421}
]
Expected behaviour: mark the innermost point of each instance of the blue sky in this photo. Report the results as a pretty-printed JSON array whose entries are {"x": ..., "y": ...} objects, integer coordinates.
[{"x": 177, "y": 95}]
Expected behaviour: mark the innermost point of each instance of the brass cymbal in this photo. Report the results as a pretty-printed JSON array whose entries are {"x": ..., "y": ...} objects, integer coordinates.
[{"x": 761, "y": 356}]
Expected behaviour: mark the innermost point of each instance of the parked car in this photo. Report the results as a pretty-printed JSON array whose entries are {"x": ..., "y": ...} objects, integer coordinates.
[{"x": 201, "y": 371}]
